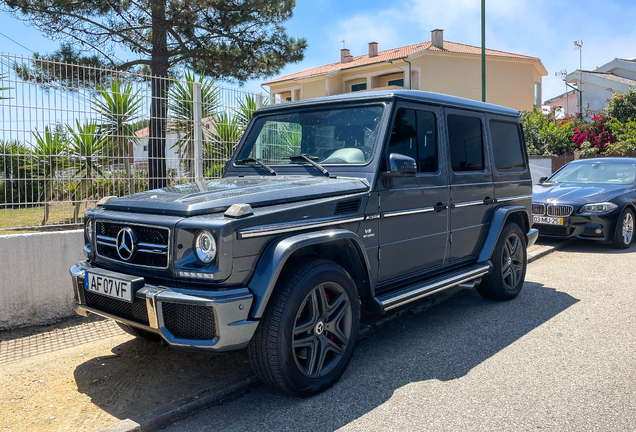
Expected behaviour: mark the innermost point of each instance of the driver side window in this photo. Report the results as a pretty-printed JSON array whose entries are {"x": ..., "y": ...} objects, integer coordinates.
[{"x": 414, "y": 134}]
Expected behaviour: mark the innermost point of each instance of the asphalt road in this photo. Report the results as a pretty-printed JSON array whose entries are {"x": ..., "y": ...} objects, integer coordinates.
[{"x": 559, "y": 357}]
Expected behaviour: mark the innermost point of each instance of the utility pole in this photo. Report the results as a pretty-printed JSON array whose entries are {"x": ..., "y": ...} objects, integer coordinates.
[
  {"x": 578, "y": 45},
  {"x": 483, "y": 50}
]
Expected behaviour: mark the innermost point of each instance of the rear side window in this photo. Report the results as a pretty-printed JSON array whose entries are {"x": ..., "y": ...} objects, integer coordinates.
[
  {"x": 414, "y": 134},
  {"x": 466, "y": 143},
  {"x": 506, "y": 146}
]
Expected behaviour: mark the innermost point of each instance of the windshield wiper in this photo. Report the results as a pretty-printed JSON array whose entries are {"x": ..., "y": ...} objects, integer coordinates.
[
  {"x": 310, "y": 160},
  {"x": 258, "y": 161}
]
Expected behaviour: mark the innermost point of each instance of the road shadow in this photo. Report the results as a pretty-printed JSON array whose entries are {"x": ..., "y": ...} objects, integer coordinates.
[
  {"x": 595, "y": 247},
  {"x": 141, "y": 375},
  {"x": 444, "y": 343}
]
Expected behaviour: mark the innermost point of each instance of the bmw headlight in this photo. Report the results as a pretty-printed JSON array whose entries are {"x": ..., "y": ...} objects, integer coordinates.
[
  {"x": 604, "y": 207},
  {"x": 205, "y": 246}
]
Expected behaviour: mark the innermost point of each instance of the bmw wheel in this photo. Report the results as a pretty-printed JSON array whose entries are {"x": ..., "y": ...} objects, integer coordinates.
[{"x": 624, "y": 233}]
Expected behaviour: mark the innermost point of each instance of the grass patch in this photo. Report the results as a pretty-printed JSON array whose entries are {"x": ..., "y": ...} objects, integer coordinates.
[{"x": 13, "y": 220}]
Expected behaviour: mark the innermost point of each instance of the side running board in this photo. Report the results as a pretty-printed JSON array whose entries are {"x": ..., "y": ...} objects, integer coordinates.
[{"x": 420, "y": 290}]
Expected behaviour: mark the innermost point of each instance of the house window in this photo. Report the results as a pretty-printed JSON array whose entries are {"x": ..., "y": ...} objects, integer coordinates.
[
  {"x": 396, "y": 82},
  {"x": 288, "y": 99},
  {"x": 358, "y": 87},
  {"x": 145, "y": 148},
  {"x": 537, "y": 93}
]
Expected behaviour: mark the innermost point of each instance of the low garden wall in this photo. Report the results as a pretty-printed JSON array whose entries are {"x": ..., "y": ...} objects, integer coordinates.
[{"x": 35, "y": 285}]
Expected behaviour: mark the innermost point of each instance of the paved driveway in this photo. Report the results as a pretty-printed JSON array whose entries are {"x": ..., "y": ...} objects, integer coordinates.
[{"x": 559, "y": 357}]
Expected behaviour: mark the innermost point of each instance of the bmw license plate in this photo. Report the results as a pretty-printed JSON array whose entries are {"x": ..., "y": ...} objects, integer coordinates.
[
  {"x": 109, "y": 286},
  {"x": 547, "y": 220}
]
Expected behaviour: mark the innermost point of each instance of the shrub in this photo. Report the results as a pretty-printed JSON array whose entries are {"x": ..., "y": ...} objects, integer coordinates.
[{"x": 622, "y": 107}]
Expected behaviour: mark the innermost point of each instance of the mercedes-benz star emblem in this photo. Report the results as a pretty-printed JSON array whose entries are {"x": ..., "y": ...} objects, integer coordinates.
[{"x": 126, "y": 244}]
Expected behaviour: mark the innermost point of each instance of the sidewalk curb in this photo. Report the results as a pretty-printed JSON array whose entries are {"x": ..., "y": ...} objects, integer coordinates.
[
  {"x": 540, "y": 253},
  {"x": 186, "y": 406}
]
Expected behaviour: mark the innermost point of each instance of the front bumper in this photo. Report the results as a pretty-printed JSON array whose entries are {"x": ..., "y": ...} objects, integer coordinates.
[
  {"x": 229, "y": 309},
  {"x": 584, "y": 226}
]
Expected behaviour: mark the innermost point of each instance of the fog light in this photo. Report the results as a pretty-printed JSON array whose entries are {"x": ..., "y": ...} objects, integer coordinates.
[
  {"x": 598, "y": 230},
  {"x": 195, "y": 275}
]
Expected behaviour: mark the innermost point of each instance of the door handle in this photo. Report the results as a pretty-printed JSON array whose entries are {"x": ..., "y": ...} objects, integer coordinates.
[
  {"x": 439, "y": 207},
  {"x": 489, "y": 200}
]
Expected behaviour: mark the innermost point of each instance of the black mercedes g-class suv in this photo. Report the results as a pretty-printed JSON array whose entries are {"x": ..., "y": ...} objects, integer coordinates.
[{"x": 329, "y": 206}]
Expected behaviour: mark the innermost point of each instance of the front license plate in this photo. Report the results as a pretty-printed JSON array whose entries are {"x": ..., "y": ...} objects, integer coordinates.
[
  {"x": 547, "y": 220},
  {"x": 109, "y": 286}
]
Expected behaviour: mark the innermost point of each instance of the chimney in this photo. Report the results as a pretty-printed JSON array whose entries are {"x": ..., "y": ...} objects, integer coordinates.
[
  {"x": 437, "y": 38},
  {"x": 373, "y": 49},
  {"x": 345, "y": 57}
]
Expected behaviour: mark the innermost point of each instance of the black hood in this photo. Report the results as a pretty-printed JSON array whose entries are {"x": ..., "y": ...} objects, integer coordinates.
[
  {"x": 573, "y": 193},
  {"x": 217, "y": 195}
]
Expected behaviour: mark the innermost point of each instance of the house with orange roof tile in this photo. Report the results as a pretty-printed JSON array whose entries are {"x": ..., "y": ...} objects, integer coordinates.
[{"x": 512, "y": 80}]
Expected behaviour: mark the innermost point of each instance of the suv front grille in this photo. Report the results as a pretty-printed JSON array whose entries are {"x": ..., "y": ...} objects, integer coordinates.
[
  {"x": 152, "y": 243},
  {"x": 136, "y": 311},
  {"x": 538, "y": 209},
  {"x": 189, "y": 321},
  {"x": 559, "y": 210}
]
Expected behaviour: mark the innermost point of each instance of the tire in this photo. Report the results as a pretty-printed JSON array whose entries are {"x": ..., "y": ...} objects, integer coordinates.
[
  {"x": 308, "y": 332},
  {"x": 509, "y": 261},
  {"x": 624, "y": 232},
  {"x": 134, "y": 331}
]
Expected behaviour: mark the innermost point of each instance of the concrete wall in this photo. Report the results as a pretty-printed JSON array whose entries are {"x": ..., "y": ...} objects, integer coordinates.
[
  {"x": 35, "y": 285},
  {"x": 540, "y": 166}
]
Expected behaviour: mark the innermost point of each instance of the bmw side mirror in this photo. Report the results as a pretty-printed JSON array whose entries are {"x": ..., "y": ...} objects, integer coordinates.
[
  {"x": 401, "y": 166},
  {"x": 542, "y": 180}
]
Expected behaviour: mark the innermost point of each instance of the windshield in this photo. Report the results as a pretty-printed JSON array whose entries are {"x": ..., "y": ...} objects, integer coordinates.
[
  {"x": 328, "y": 136},
  {"x": 604, "y": 173}
]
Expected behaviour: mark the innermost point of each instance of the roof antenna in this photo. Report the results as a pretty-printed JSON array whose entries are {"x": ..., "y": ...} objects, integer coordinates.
[{"x": 343, "y": 43}]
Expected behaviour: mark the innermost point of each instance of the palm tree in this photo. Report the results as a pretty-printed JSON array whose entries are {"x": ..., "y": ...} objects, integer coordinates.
[
  {"x": 48, "y": 156},
  {"x": 246, "y": 109},
  {"x": 225, "y": 135},
  {"x": 85, "y": 145},
  {"x": 119, "y": 109},
  {"x": 181, "y": 107}
]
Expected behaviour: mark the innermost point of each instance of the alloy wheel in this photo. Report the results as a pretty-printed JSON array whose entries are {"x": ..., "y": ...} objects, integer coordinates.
[
  {"x": 322, "y": 329},
  {"x": 512, "y": 261},
  {"x": 628, "y": 228}
]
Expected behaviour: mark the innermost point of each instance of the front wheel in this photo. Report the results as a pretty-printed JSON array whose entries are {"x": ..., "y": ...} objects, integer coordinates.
[
  {"x": 509, "y": 261},
  {"x": 624, "y": 234},
  {"x": 306, "y": 338}
]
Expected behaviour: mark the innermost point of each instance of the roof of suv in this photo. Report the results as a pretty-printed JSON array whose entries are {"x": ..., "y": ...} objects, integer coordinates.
[{"x": 413, "y": 95}]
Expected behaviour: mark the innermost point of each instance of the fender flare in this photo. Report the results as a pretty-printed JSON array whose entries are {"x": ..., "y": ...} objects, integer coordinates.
[
  {"x": 497, "y": 224},
  {"x": 273, "y": 260}
]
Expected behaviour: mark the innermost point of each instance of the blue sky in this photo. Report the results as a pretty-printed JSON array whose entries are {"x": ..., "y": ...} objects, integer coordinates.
[{"x": 540, "y": 28}]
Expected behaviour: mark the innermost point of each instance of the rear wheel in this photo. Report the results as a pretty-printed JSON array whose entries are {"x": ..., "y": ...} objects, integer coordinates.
[
  {"x": 134, "y": 331},
  {"x": 624, "y": 233},
  {"x": 509, "y": 262},
  {"x": 306, "y": 338}
]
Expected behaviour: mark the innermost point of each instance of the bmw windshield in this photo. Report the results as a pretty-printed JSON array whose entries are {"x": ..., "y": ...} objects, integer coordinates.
[
  {"x": 327, "y": 136},
  {"x": 597, "y": 173}
]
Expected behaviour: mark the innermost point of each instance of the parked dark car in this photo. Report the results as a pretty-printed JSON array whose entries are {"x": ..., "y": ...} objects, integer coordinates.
[
  {"x": 328, "y": 207},
  {"x": 592, "y": 199}
]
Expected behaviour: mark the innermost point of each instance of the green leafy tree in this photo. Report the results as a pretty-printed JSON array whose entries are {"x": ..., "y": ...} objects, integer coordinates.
[
  {"x": 181, "y": 108},
  {"x": 622, "y": 107},
  {"x": 119, "y": 108},
  {"x": 219, "y": 38},
  {"x": 48, "y": 156},
  {"x": 625, "y": 135},
  {"x": 18, "y": 185},
  {"x": 85, "y": 145}
]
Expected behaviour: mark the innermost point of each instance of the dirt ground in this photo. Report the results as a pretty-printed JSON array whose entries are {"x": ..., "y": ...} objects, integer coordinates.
[{"x": 97, "y": 380}]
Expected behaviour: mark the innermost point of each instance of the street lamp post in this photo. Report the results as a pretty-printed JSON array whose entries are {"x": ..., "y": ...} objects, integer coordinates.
[{"x": 483, "y": 50}]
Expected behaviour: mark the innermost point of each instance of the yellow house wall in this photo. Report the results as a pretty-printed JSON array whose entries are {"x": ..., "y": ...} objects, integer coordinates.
[
  {"x": 508, "y": 83},
  {"x": 314, "y": 89}
]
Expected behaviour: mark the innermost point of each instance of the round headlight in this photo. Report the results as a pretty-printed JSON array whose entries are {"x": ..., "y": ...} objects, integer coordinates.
[
  {"x": 205, "y": 247},
  {"x": 88, "y": 229}
]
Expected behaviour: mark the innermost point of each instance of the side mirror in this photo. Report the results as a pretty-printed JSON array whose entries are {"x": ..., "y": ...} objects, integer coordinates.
[
  {"x": 542, "y": 179},
  {"x": 401, "y": 166}
]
